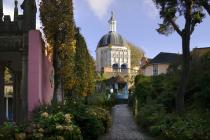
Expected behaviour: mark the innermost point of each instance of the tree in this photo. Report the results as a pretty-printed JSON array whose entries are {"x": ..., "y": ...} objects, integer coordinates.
[
  {"x": 80, "y": 66},
  {"x": 58, "y": 26},
  {"x": 84, "y": 67},
  {"x": 91, "y": 74},
  {"x": 192, "y": 11},
  {"x": 136, "y": 54}
]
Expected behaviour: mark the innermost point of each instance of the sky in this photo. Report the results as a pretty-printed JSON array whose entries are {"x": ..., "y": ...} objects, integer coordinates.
[{"x": 137, "y": 21}]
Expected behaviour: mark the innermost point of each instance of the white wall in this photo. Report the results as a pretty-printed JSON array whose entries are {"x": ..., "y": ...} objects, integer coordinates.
[{"x": 107, "y": 56}]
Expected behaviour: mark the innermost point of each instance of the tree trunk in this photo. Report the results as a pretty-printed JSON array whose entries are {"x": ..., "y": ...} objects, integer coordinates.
[
  {"x": 186, "y": 34},
  {"x": 57, "y": 96},
  {"x": 184, "y": 74},
  {"x": 86, "y": 100}
]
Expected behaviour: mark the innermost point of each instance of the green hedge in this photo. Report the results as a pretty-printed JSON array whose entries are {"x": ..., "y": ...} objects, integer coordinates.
[{"x": 156, "y": 103}]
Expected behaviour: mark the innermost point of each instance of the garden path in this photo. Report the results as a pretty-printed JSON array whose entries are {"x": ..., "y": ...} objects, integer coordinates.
[{"x": 124, "y": 126}]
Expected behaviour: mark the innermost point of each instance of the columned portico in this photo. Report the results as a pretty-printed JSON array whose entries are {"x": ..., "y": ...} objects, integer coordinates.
[{"x": 14, "y": 46}]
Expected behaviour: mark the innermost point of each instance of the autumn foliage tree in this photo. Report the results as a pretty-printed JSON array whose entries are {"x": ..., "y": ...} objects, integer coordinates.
[
  {"x": 136, "y": 54},
  {"x": 192, "y": 12},
  {"x": 58, "y": 26}
]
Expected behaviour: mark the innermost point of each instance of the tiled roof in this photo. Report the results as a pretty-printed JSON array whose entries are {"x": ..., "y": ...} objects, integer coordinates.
[
  {"x": 200, "y": 51},
  {"x": 165, "y": 58}
]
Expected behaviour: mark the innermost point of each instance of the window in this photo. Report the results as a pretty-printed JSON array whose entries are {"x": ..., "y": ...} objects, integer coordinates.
[
  {"x": 124, "y": 66},
  {"x": 155, "y": 70},
  {"x": 115, "y": 67}
]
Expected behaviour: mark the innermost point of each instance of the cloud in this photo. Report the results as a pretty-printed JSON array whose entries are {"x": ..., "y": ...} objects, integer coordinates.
[
  {"x": 150, "y": 9},
  {"x": 99, "y": 7}
]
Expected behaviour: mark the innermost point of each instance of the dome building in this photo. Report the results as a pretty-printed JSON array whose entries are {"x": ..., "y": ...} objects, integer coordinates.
[{"x": 112, "y": 53}]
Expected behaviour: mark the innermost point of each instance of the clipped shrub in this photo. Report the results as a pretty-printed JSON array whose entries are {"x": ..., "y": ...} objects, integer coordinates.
[
  {"x": 72, "y": 121},
  {"x": 58, "y": 124},
  {"x": 10, "y": 131},
  {"x": 101, "y": 114},
  {"x": 93, "y": 121},
  {"x": 143, "y": 88},
  {"x": 104, "y": 100},
  {"x": 187, "y": 127},
  {"x": 150, "y": 114},
  {"x": 91, "y": 128}
]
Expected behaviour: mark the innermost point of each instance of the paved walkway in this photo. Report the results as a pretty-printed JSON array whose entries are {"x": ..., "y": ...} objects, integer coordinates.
[{"x": 124, "y": 127}]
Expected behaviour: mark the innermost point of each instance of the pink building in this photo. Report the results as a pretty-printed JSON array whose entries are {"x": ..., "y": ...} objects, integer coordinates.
[
  {"x": 22, "y": 51},
  {"x": 40, "y": 72}
]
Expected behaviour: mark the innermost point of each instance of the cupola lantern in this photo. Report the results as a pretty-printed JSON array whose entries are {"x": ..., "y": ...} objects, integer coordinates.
[{"x": 112, "y": 23}]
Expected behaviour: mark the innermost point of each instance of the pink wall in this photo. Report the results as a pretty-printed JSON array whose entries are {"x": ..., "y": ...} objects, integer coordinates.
[
  {"x": 47, "y": 79},
  {"x": 40, "y": 68}
]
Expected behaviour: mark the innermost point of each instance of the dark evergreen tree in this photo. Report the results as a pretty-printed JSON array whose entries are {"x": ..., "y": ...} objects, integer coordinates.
[
  {"x": 91, "y": 74},
  {"x": 84, "y": 67},
  {"x": 80, "y": 65}
]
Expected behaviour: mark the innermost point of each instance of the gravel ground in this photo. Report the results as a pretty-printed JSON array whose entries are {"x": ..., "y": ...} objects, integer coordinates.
[{"x": 124, "y": 126}]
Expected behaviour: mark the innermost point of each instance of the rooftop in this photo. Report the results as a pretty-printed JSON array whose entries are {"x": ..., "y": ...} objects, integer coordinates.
[
  {"x": 165, "y": 58},
  {"x": 112, "y": 38},
  {"x": 200, "y": 51}
]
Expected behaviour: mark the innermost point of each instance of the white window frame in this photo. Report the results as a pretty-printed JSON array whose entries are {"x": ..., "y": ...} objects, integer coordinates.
[{"x": 155, "y": 69}]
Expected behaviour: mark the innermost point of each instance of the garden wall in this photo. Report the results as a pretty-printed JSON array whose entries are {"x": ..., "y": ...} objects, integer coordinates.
[{"x": 40, "y": 72}]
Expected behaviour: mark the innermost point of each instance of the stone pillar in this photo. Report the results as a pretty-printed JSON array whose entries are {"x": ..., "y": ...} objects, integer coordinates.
[
  {"x": 16, "y": 97},
  {"x": 2, "y": 102},
  {"x": 24, "y": 81},
  {"x": 7, "y": 108},
  {"x": 24, "y": 88}
]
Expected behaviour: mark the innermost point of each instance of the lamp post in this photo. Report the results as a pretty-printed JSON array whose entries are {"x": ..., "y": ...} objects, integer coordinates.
[
  {"x": 110, "y": 93},
  {"x": 111, "y": 90}
]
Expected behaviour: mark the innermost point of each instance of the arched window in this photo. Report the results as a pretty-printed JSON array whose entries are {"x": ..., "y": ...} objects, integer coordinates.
[
  {"x": 124, "y": 66},
  {"x": 115, "y": 66}
]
